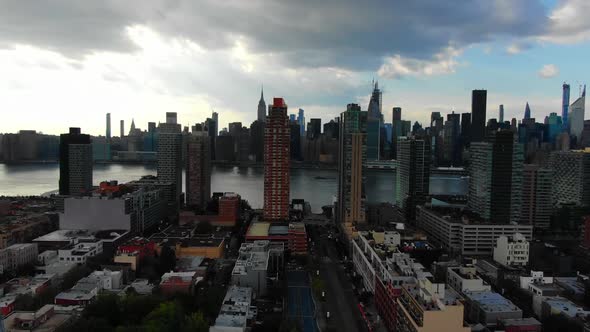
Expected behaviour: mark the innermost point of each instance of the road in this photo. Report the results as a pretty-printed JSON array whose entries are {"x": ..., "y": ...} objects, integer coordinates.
[{"x": 340, "y": 299}]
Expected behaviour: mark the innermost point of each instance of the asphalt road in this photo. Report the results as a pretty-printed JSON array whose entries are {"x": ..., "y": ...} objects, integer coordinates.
[{"x": 341, "y": 301}]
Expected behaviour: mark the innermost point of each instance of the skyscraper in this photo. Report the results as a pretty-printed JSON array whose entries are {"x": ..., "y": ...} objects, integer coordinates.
[
  {"x": 565, "y": 103},
  {"x": 527, "y": 111},
  {"x": 75, "y": 163},
  {"x": 478, "y": 115},
  {"x": 571, "y": 177},
  {"x": 122, "y": 128},
  {"x": 169, "y": 155},
  {"x": 276, "y": 162},
  {"x": 396, "y": 129},
  {"x": 465, "y": 129},
  {"x": 215, "y": 118},
  {"x": 314, "y": 128},
  {"x": 352, "y": 160},
  {"x": 108, "y": 134},
  {"x": 576, "y": 115},
  {"x": 536, "y": 196},
  {"x": 257, "y": 140},
  {"x": 501, "y": 114},
  {"x": 495, "y": 183},
  {"x": 374, "y": 123},
  {"x": 413, "y": 175},
  {"x": 198, "y": 168},
  {"x": 301, "y": 121},
  {"x": 261, "y": 107}
]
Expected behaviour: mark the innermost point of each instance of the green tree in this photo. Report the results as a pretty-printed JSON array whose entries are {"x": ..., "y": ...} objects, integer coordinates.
[
  {"x": 106, "y": 306},
  {"x": 195, "y": 322},
  {"x": 169, "y": 316}
]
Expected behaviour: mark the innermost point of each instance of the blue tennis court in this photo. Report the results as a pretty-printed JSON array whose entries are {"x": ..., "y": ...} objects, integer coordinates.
[{"x": 300, "y": 305}]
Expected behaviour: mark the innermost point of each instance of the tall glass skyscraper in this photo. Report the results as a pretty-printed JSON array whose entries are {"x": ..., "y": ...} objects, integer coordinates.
[
  {"x": 374, "y": 123},
  {"x": 565, "y": 104}
]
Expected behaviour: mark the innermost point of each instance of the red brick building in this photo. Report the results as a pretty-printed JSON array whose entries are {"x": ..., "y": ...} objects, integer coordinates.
[
  {"x": 386, "y": 302},
  {"x": 229, "y": 210},
  {"x": 179, "y": 282},
  {"x": 292, "y": 235},
  {"x": 141, "y": 245},
  {"x": 198, "y": 169},
  {"x": 277, "y": 135}
]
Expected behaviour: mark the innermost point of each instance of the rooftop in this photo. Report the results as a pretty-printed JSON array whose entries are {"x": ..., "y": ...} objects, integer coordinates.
[
  {"x": 235, "y": 309},
  {"x": 491, "y": 301}
]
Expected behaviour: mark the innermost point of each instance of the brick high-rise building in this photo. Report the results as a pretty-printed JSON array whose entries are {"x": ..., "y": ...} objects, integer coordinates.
[
  {"x": 352, "y": 159},
  {"x": 75, "y": 163},
  {"x": 198, "y": 168},
  {"x": 536, "y": 196},
  {"x": 276, "y": 162}
]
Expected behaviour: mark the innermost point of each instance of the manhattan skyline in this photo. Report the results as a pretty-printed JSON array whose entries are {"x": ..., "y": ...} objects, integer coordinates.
[{"x": 75, "y": 62}]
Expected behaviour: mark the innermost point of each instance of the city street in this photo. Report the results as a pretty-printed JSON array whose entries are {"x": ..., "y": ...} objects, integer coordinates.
[{"x": 340, "y": 298}]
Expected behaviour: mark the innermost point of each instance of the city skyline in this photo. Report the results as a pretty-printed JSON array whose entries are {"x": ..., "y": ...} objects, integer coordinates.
[{"x": 64, "y": 72}]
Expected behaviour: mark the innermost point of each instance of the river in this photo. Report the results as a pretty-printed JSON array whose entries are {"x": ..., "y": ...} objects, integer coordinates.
[{"x": 314, "y": 185}]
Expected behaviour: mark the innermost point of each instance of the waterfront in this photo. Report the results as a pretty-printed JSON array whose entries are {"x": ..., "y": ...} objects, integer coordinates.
[{"x": 316, "y": 186}]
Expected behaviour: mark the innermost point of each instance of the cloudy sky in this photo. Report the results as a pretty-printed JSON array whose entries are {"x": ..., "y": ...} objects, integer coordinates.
[{"x": 69, "y": 62}]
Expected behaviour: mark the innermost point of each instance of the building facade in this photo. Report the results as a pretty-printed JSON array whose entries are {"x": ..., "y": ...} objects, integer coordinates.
[
  {"x": 198, "y": 170},
  {"x": 537, "y": 202},
  {"x": 276, "y": 162},
  {"x": 75, "y": 163},
  {"x": 495, "y": 185},
  {"x": 512, "y": 251},
  {"x": 478, "y": 115},
  {"x": 413, "y": 175},
  {"x": 352, "y": 161},
  {"x": 571, "y": 177},
  {"x": 169, "y": 160}
]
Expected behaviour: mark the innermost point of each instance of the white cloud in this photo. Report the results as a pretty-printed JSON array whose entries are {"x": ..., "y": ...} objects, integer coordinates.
[
  {"x": 568, "y": 22},
  {"x": 548, "y": 71},
  {"x": 163, "y": 74},
  {"x": 441, "y": 63},
  {"x": 518, "y": 47}
]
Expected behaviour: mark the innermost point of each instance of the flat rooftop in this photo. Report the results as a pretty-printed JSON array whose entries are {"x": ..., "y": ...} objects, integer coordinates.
[{"x": 491, "y": 301}]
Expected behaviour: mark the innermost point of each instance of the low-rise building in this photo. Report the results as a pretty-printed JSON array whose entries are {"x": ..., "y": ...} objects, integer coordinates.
[
  {"x": 18, "y": 255},
  {"x": 464, "y": 279},
  {"x": 459, "y": 232},
  {"x": 512, "y": 251},
  {"x": 81, "y": 251},
  {"x": 108, "y": 280},
  {"x": 425, "y": 306},
  {"x": 487, "y": 308},
  {"x": 520, "y": 325},
  {"x": 48, "y": 318},
  {"x": 84, "y": 292},
  {"x": 186, "y": 243},
  {"x": 292, "y": 234},
  {"x": 124, "y": 207},
  {"x": 236, "y": 310},
  {"x": 256, "y": 264},
  {"x": 141, "y": 286},
  {"x": 536, "y": 277},
  {"x": 179, "y": 282}
]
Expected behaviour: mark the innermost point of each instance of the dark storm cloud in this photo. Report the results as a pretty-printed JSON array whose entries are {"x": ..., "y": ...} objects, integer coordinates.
[{"x": 310, "y": 33}]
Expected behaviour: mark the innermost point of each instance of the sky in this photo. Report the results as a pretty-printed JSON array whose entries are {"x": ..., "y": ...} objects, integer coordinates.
[{"x": 67, "y": 63}]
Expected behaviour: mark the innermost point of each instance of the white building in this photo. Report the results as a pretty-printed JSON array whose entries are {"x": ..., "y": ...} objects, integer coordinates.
[
  {"x": 512, "y": 251},
  {"x": 536, "y": 277},
  {"x": 452, "y": 230},
  {"x": 134, "y": 211},
  {"x": 109, "y": 280},
  {"x": 235, "y": 311},
  {"x": 256, "y": 263},
  {"x": 18, "y": 255},
  {"x": 464, "y": 279},
  {"x": 78, "y": 253}
]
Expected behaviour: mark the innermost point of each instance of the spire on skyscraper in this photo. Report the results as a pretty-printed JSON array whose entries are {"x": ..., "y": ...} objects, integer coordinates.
[
  {"x": 261, "y": 106},
  {"x": 527, "y": 111}
]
